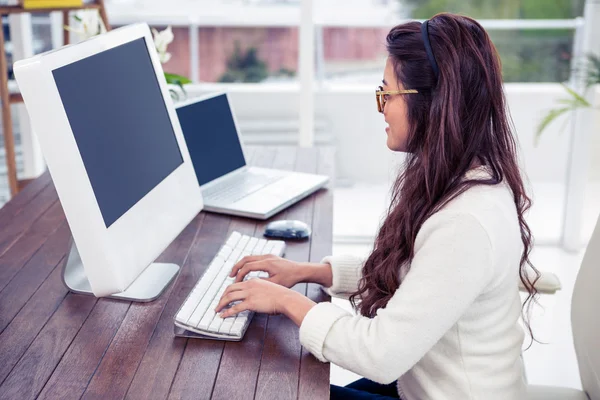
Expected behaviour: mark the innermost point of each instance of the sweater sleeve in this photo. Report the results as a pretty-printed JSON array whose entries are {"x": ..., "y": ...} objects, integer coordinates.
[
  {"x": 451, "y": 267},
  {"x": 346, "y": 272}
]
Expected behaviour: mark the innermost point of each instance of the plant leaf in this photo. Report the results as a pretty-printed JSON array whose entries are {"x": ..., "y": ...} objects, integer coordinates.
[
  {"x": 580, "y": 101},
  {"x": 592, "y": 70},
  {"x": 567, "y": 102},
  {"x": 171, "y": 78},
  {"x": 548, "y": 119},
  {"x": 178, "y": 80}
]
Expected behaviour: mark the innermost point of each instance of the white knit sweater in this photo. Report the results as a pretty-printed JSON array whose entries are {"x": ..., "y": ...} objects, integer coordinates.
[{"x": 452, "y": 330}]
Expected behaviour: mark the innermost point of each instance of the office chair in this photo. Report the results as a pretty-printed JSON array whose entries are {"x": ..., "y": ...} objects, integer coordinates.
[{"x": 585, "y": 323}]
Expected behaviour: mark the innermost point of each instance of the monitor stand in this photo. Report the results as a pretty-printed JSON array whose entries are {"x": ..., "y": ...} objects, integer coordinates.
[{"x": 147, "y": 287}]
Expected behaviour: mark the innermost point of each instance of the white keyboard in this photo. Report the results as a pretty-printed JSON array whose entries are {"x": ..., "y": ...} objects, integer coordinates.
[{"x": 197, "y": 313}]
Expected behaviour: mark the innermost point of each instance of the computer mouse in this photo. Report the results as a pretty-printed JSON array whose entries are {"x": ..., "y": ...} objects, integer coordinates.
[{"x": 287, "y": 229}]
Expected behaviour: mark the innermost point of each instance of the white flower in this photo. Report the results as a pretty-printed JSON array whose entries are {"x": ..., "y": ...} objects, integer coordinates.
[
  {"x": 87, "y": 24},
  {"x": 164, "y": 57},
  {"x": 161, "y": 42}
]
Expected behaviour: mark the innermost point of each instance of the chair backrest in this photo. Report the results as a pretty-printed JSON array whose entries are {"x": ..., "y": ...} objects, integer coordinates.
[{"x": 585, "y": 317}]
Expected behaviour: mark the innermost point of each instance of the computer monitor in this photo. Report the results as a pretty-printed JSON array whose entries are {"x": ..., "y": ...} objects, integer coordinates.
[{"x": 112, "y": 141}]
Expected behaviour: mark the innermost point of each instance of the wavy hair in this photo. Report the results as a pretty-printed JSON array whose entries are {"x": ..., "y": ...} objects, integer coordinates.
[{"x": 456, "y": 121}]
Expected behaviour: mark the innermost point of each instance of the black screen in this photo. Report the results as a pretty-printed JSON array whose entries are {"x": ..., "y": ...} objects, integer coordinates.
[
  {"x": 121, "y": 125},
  {"x": 211, "y": 138}
]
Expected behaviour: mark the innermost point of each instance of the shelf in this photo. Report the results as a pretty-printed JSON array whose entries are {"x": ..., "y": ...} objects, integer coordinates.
[{"x": 20, "y": 9}]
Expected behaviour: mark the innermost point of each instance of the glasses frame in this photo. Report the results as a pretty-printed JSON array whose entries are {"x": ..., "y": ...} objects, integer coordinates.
[{"x": 381, "y": 99}]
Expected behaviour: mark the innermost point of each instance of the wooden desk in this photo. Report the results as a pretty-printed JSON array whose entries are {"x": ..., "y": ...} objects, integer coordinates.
[{"x": 60, "y": 345}]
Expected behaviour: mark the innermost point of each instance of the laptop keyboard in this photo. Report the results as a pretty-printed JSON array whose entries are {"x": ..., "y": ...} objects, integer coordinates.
[{"x": 238, "y": 186}]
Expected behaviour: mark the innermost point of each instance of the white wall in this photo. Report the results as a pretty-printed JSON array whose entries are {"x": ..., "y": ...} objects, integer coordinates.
[{"x": 347, "y": 116}]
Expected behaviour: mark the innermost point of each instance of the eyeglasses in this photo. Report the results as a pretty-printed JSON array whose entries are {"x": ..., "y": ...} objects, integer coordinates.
[{"x": 382, "y": 96}]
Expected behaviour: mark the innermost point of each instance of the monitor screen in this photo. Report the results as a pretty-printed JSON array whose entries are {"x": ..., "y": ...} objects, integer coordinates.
[
  {"x": 211, "y": 138},
  {"x": 121, "y": 125}
]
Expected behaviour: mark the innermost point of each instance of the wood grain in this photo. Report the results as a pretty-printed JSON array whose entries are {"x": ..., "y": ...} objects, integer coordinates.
[
  {"x": 54, "y": 344},
  {"x": 209, "y": 351},
  {"x": 22, "y": 249},
  {"x": 240, "y": 362},
  {"x": 33, "y": 274},
  {"x": 21, "y": 200},
  {"x": 158, "y": 367},
  {"x": 31, "y": 373},
  {"x": 314, "y": 375},
  {"x": 280, "y": 363},
  {"x": 23, "y": 329},
  {"x": 199, "y": 363},
  {"x": 72, "y": 375},
  {"x": 120, "y": 362},
  {"x": 18, "y": 224}
]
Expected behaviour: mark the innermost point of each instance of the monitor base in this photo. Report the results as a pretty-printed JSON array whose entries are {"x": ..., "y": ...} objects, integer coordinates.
[{"x": 147, "y": 287}]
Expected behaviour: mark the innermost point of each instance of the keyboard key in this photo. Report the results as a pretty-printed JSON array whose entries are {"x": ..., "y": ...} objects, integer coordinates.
[
  {"x": 278, "y": 249},
  {"x": 229, "y": 281},
  {"x": 235, "y": 255},
  {"x": 206, "y": 320},
  {"x": 234, "y": 239},
  {"x": 225, "y": 252},
  {"x": 226, "y": 325},
  {"x": 197, "y": 316},
  {"x": 244, "y": 315},
  {"x": 186, "y": 312},
  {"x": 260, "y": 247},
  {"x": 243, "y": 242},
  {"x": 240, "y": 322},
  {"x": 216, "y": 323},
  {"x": 251, "y": 244},
  {"x": 237, "y": 328}
]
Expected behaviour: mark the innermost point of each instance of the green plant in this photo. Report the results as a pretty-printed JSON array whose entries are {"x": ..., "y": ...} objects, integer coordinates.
[
  {"x": 283, "y": 71},
  {"x": 590, "y": 75},
  {"x": 178, "y": 80},
  {"x": 245, "y": 66}
]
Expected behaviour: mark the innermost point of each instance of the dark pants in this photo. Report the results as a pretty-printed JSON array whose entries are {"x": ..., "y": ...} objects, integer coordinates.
[{"x": 364, "y": 389}]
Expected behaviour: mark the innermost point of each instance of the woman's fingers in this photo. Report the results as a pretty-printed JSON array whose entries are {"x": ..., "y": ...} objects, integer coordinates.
[
  {"x": 238, "y": 308},
  {"x": 250, "y": 267},
  {"x": 230, "y": 297},
  {"x": 246, "y": 260},
  {"x": 234, "y": 287}
]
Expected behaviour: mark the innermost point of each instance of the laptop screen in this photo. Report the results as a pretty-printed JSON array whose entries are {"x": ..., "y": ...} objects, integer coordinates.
[{"x": 211, "y": 138}]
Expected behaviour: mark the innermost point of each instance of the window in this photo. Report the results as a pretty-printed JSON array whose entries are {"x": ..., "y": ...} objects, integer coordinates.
[
  {"x": 493, "y": 9},
  {"x": 356, "y": 53}
]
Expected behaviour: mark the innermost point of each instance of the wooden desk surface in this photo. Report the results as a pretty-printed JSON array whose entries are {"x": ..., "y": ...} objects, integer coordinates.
[{"x": 60, "y": 345}]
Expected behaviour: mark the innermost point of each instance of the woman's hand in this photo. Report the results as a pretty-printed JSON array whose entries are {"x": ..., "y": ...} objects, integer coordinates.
[
  {"x": 281, "y": 271},
  {"x": 262, "y": 296}
]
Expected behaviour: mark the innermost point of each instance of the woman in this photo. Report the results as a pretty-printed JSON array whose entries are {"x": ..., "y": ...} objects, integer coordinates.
[{"x": 438, "y": 296}]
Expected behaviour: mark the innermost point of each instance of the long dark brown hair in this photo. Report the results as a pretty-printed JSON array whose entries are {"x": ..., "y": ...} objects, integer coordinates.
[{"x": 455, "y": 121}]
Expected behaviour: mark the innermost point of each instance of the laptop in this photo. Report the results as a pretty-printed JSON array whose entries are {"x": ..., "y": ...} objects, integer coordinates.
[{"x": 228, "y": 184}]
